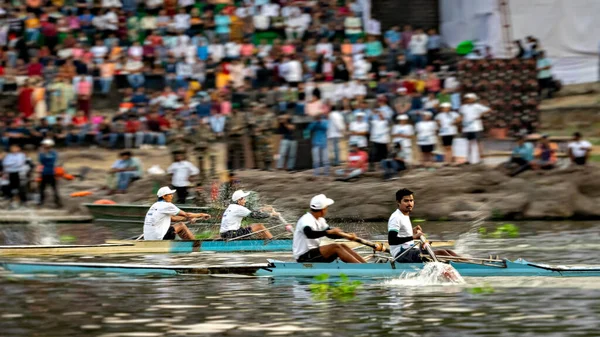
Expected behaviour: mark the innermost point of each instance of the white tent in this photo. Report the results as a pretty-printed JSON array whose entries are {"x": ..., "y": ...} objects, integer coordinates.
[{"x": 567, "y": 29}]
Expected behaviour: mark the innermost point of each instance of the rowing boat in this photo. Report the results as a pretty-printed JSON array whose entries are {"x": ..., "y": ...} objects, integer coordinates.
[
  {"x": 484, "y": 268},
  {"x": 131, "y": 213},
  {"x": 165, "y": 246}
]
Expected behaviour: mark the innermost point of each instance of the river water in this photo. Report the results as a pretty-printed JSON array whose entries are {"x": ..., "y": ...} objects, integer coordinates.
[{"x": 104, "y": 305}]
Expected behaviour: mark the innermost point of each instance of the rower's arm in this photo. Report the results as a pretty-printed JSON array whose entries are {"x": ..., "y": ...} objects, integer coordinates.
[
  {"x": 259, "y": 215},
  {"x": 187, "y": 215},
  {"x": 394, "y": 239},
  {"x": 313, "y": 234}
]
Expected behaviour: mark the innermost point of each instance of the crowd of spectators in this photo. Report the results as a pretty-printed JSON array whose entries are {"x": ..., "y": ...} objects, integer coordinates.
[{"x": 181, "y": 67}]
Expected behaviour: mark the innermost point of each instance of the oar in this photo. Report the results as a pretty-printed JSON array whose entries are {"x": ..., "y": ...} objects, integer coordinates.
[
  {"x": 260, "y": 231},
  {"x": 428, "y": 247},
  {"x": 375, "y": 245}
]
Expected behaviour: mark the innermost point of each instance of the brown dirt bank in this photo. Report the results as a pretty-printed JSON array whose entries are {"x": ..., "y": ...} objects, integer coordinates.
[{"x": 463, "y": 193}]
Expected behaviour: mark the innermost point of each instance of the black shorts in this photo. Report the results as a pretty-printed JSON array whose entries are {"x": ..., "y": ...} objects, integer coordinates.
[
  {"x": 447, "y": 140},
  {"x": 170, "y": 234},
  {"x": 236, "y": 233},
  {"x": 473, "y": 135},
  {"x": 314, "y": 255},
  {"x": 427, "y": 148},
  {"x": 413, "y": 256},
  {"x": 580, "y": 160}
]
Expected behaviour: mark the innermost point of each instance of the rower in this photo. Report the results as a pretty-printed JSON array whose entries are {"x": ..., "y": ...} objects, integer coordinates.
[
  {"x": 231, "y": 224},
  {"x": 401, "y": 233},
  {"x": 311, "y": 228},
  {"x": 157, "y": 225}
]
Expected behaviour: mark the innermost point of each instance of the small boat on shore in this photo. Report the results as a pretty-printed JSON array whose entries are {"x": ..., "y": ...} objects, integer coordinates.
[
  {"x": 165, "y": 246},
  {"x": 478, "y": 268},
  {"x": 135, "y": 214}
]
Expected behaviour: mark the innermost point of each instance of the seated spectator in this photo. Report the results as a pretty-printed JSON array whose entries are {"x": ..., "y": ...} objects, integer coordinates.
[
  {"x": 106, "y": 133},
  {"x": 579, "y": 150},
  {"x": 125, "y": 170},
  {"x": 358, "y": 161},
  {"x": 395, "y": 162},
  {"x": 545, "y": 155},
  {"x": 78, "y": 128},
  {"x": 522, "y": 155}
]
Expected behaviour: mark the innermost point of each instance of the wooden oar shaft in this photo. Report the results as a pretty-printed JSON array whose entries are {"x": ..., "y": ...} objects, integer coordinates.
[{"x": 374, "y": 245}]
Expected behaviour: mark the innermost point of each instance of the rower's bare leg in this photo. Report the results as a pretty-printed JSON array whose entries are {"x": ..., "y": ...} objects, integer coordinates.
[
  {"x": 336, "y": 249},
  {"x": 353, "y": 253},
  {"x": 183, "y": 231},
  {"x": 265, "y": 234}
]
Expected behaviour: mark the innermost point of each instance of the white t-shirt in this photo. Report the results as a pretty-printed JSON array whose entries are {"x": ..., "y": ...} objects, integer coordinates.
[
  {"x": 472, "y": 116},
  {"x": 293, "y": 71},
  {"x": 359, "y": 127},
  {"x": 580, "y": 148},
  {"x": 233, "y": 49},
  {"x": 447, "y": 120},
  {"x": 158, "y": 220},
  {"x": 232, "y": 217},
  {"x": 426, "y": 131},
  {"x": 380, "y": 131},
  {"x": 405, "y": 130},
  {"x": 181, "y": 171},
  {"x": 99, "y": 51},
  {"x": 302, "y": 244},
  {"x": 400, "y": 223},
  {"x": 336, "y": 125}
]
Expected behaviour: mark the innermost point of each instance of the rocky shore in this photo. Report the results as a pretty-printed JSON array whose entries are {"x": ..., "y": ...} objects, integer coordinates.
[
  {"x": 449, "y": 193},
  {"x": 452, "y": 193}
]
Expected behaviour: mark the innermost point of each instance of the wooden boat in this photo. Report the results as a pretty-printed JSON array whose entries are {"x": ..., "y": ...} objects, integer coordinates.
[
  {"x": 292, "y": 269},
  {"x": 135, "y": 214},
  {"x": 165, "y": 246}
]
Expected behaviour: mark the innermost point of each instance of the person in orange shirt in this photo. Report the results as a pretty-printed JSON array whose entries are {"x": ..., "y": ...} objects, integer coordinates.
[
  {"x": 358, "y": 161},
  {"x": 32, "y": 28},
  {"x": 107, "y": 72}
]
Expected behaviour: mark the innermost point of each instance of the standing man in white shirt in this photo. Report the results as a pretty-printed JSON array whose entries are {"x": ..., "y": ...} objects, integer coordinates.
[
  {"x": 231, "y": 223},
  {"x": 380, "y": 138},
  {"x": 579, "y": 150},
  {"x": 157, "y": 225},
  {"x": 335, "y": 132},
  {"x": 472, "y": 126},
  {"x": 401, "y": 233},
  {"x": 181, "y": 170},
  {"x": 359, "y": 129},
  {"x": 447, "y": 121},
  {"x": 426, "y": 137},
  {"x": 403, "y": 133},
  {"x": 311, "y": 228},
  {"x": 418, "y": 49}
]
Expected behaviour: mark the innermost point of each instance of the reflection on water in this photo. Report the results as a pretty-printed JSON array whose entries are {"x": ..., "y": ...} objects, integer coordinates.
[{"x": 93, "y": 305}]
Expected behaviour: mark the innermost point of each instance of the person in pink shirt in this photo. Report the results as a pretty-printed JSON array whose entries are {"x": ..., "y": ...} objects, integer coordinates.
[
  {"x": 84, "y": 94},
  {"x": 247, "y": 48},
  {"x": 288, "y": 48}
]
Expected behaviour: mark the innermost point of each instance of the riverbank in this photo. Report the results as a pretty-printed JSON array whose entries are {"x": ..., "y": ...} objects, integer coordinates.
[
  {"x": 447, "y": 193},
  {"x": 450, "y": 193}
]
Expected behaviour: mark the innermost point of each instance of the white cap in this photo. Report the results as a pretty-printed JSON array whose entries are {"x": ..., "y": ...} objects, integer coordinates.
[
  {"x": 239, "y": 194},
  {"x": 401, "y": 89},
  {"x": 360, "y": 114},
  {"x": 319, "y": 202},
  {"x": 445, "y": 105},
  {"x": 471, "y": 95},
  {"x": 402, "y": 118},
  {"x": 165, "y": 190},
  {"x": 427, "y": 113},
  {"x": 48, "y": 142}
]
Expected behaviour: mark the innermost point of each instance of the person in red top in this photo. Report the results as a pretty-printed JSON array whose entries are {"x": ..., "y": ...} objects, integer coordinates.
[
  {"x": 25, "y": 102},
  {"x": 133, "y": 127},
  {"x": 35, "y": 67},
  {"x": 78, "y": 129},
  {"x": 358, "y": 161}
]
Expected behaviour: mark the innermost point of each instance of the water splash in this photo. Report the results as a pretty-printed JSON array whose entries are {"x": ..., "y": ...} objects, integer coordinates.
[
  {"x": 434, "y": 273},
  {"x": 466, "y": 241}
]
